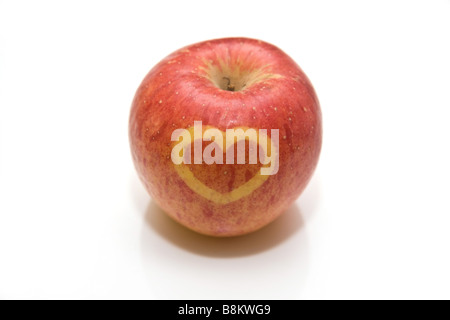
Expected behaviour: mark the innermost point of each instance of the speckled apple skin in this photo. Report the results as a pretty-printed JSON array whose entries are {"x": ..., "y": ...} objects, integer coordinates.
[{"x": 177, "y": 92}]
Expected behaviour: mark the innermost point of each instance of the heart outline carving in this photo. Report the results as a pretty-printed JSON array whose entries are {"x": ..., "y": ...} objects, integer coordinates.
[{"x": 238, "y": 193}]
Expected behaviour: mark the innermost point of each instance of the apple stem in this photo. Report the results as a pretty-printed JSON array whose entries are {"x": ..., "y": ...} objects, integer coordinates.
[{"x": 230, "y": 87}]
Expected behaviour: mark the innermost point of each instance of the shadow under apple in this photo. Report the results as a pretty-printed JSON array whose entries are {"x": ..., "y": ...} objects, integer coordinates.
[{"x": 277, "y": 232}]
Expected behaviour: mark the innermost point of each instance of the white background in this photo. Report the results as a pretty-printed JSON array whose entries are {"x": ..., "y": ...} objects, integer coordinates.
[{"x": 75, "y": 221}]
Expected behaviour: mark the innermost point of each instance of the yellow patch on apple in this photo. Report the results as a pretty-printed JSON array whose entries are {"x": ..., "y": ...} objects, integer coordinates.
[{"x": 181, "y": 156}]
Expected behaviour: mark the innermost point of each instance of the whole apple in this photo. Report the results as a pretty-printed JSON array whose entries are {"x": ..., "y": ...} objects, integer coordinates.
[{"x": 225, "y": 134}]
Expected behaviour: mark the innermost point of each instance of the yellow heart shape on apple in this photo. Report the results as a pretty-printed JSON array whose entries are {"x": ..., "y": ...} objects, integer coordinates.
[{"x": 238, "y": 193}]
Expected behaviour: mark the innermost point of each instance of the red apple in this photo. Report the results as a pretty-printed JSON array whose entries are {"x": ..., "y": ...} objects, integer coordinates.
[{"x": 179, "y": 124}]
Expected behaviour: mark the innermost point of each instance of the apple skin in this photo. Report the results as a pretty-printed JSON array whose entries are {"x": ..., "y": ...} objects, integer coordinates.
[{"x": 179, "y": 91}]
